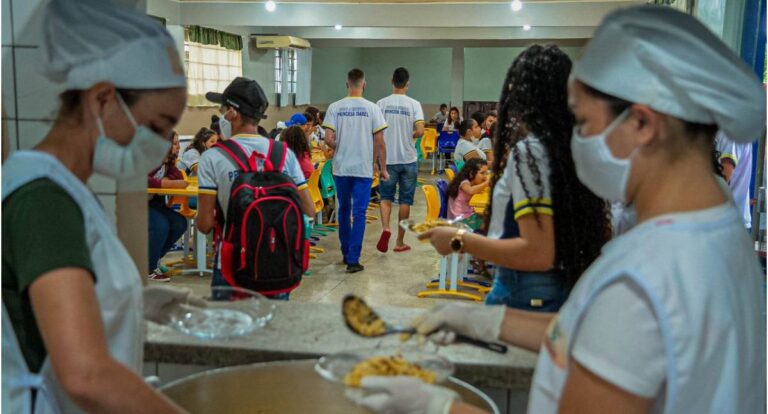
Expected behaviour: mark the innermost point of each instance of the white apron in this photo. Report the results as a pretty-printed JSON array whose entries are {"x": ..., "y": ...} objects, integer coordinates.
[
  {"x": 118, "y": 289},
  {"x": 703, "y": 279}
]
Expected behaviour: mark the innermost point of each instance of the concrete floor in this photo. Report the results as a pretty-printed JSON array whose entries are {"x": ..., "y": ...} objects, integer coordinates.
[{"x": 388, "y": 279}]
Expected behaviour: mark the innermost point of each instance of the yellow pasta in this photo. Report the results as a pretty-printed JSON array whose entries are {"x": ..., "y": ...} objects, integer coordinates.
[
  {"x": 394, "y": 365},
  {"x": 362, "y": 319},
  {"x": 427, "y": 225}
]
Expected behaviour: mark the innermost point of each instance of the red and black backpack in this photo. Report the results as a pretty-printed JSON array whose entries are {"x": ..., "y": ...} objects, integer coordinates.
[{"x": 264, "y": 248}]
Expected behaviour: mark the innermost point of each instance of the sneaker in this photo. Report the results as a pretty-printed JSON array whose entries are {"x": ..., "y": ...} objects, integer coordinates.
[
  {"x": 354, "y": 268},
  {"x": 158, "y": 276}
]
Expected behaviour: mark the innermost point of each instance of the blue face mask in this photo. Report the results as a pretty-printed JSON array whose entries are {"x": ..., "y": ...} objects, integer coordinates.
[{"x": 145, "y": 151}]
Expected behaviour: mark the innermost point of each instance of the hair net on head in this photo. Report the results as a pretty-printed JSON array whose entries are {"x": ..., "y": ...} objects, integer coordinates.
[
  {"x": 670, "y": 61},
  {"x": 91, "y": 41}
]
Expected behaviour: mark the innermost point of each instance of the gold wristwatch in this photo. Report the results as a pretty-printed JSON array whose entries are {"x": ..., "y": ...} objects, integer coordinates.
[{"x": 457, "y": 242}]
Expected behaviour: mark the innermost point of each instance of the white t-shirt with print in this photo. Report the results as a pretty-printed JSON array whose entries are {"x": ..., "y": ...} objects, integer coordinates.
[
  {"x": 189, "y": 158},
  {"x": 509, "y": 188},
  {"x": 217, "y": 170},
  {"x": 741, "y": 155},
  {"x": 463, "y": 147},
  {"x": 354, "y": 120},
  {"x": 485, "y": 144},
  {"x": 401, "y": 113}
]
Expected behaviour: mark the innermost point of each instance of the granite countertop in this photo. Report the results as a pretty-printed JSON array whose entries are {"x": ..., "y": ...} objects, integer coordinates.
[{"x": 311, "y": 330}]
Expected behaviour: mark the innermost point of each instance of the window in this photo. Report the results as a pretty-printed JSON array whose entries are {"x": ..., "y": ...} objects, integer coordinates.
[
  {"x": 292, "y": 70},
  {"x": 209, "y": 68}
]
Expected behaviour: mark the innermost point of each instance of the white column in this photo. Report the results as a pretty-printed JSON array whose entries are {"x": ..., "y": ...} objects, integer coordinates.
[{"x": 457, "y": 78}]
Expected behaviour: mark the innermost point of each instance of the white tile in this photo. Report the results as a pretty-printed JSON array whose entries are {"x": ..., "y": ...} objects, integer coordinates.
[
  {"x": 37, "y": 97},
  {"x": 9, "y": 136},
  {"x": 109, "y": 203},
  {"x": 32, "y": 132},
  {"x": 7, "y": 38},
  {"x": 28, "y": 21},
  {"x": 8, "y": 85},
  {"x": 102, "y": 184}
]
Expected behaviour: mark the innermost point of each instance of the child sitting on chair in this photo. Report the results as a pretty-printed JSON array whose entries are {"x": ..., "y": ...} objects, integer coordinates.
[{"x": 472, "y": 179}]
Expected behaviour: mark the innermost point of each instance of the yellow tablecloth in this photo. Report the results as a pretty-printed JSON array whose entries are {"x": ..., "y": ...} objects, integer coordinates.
[
  {"x": 480, "y": 201},
  {"x": 186, "y": 192}
]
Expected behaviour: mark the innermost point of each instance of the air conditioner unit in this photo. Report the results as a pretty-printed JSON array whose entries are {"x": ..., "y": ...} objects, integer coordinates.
[{"x": 279, "y": 42}]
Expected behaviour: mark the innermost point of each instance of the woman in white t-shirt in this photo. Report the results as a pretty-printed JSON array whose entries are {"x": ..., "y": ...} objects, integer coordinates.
[
  {"x": 670, "y": 317},
  {"x": 204, "y": 139},
  {"x": 454, "y": 118}
]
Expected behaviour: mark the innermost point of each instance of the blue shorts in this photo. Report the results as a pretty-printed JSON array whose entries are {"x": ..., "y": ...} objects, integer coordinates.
[
  {"x": 532, "y": 291},
  {"x": 404, "y": 176}
]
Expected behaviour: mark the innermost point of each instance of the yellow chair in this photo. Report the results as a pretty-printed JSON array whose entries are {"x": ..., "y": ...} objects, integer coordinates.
[
  {"x": 313, "y": 185},
  {"x": 433, "y": 201},
  {"x": 429, "y": 145},
  {"x": 449, "y": 174}
]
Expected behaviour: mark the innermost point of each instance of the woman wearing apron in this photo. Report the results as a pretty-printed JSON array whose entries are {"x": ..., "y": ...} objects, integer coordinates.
[
  {"x": 669, "y": 319},
  {"x": 72, "y": 296}
]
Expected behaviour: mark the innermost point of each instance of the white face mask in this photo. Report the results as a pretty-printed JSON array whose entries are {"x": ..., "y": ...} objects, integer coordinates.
[
  {"x": 597, "y": 168},
  {"x": 145, "y": 151},
  {"x": 226, "y": 127}
]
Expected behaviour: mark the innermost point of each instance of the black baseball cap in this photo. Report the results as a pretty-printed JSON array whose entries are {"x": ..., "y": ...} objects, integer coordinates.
[{"x": 243, "y": 94}]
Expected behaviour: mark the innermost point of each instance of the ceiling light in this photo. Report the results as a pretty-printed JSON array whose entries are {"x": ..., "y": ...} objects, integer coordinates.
[
  {"x": 517, "y": 5},
  {"x": 270, "y": 6},
  {"x": 338, "y": 27},
  {"x": 526, "y": 27}
]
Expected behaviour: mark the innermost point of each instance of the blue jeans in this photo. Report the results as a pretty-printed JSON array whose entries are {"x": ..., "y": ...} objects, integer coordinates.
[
  {"x": 165, "y": 228},
  {"x": 532, "y": 291},
  {"x": 218, "y": 280},
  {"x": 404, "y": 176},
  {"x": 353, "y": 193}
]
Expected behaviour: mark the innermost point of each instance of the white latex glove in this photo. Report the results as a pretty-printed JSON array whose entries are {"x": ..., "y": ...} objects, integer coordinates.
[
  {"x": 402, "y": 395},
  {"x": 443, "y": 322},
  {"x": 159, "y": 301}
]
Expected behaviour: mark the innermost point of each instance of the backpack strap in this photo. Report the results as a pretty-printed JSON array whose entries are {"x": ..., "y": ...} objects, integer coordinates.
[
  {"x": 277, "y": 154},
  {"x": 236, "y": 153}
]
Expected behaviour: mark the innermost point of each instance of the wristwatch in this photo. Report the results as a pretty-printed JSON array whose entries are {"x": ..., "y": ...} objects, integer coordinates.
[{"x": 457, "y": 242}]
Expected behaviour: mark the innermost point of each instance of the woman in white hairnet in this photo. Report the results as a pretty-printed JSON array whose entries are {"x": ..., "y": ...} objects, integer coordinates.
[
  {"x": 669, "y": 319},
  {"x": 72, "y": 296}
]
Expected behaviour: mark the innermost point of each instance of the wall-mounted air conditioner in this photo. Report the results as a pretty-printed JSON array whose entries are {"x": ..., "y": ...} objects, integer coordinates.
[{"x": 279, "y": 42}]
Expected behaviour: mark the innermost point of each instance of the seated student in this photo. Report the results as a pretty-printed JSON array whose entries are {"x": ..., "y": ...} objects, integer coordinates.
[
  {"x": 165, "y": 225},
  {"x": 466, "y": 149},
  {"x": 215, "y": 126},
  {"x": 204, "y": 139},
  {"x": 310, "y": 130},
  {"x": 296, "y": 120},
  {"x": 243, "y": 104},
  {"x": 452, "y": 122},
  {"x": 487, "y": 124},
  {"x": 472, "y": 179},
  {"x": 440, "y": 117},
  {"x": 486, "y": 143},
  {"x": 296, "y": 140},
  {"x": 479, "y": 117}
]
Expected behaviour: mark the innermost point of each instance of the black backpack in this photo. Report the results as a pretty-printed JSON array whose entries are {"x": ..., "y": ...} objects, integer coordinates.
[{"x": 264, "y": 248}]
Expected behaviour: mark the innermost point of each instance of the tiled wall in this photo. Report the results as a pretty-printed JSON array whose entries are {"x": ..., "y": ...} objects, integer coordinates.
[{"x": 29, "y": 105}]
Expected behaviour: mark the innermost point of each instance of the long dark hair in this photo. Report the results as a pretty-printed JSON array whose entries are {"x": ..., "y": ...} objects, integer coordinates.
[
  {"x": 296, "y": 140},
  {"x": 534, "y": 100},
  {"x": 468, "y": 172},
  {"x": 198, "y": 142},
  {"x": 448, "y": 118}
]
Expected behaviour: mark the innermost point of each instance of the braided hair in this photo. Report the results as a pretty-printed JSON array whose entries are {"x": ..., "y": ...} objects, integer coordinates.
[{"x": 534, "y": 100}]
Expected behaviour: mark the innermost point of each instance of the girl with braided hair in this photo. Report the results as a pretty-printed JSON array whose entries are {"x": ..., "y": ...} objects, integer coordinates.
[{"x": 545, "y": 227}]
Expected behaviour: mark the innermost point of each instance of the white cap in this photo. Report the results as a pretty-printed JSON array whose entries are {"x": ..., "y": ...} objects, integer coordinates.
[
  {"x": 91, "y": 41},
  {"x": 668, "y": 60}
]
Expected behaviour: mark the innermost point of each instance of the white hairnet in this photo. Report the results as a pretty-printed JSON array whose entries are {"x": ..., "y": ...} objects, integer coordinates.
[
  {"x": 670, "y": 61},
  {"x": 90, "y": 41}
]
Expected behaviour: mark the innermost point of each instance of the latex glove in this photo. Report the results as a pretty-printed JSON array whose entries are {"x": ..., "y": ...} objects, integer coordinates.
[
  {"x": 160, "y": 301},
  {"x": 402, "y": 395},
  {"x": 442, "y": 322}
]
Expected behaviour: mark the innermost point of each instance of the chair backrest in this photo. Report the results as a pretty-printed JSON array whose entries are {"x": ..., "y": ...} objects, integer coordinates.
[
  {"x": 442, "y": 188},
  {"x": 447, "y": 140},
  {"x": 429, "y": 141},
  {"x": 433, "y": 201},
  {"x": 314, "y": 188},
  {"x": 459, "y": 165},
  {"x": 327, "y": 185},
  {"x": 449, "y": 174},
  {"x": 419, "y": 151}
]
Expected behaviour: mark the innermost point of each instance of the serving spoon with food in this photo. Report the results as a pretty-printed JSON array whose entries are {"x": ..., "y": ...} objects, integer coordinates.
[{"x": 362, "y": 320}]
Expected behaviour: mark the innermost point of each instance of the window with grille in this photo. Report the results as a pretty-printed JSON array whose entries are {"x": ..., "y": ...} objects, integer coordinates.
[
  {"x": 291, "y": 70},
  {"x": 209, "y": 68}
]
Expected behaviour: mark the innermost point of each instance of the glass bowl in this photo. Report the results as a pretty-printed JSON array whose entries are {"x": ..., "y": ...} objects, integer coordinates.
[
  {"x": 410, "y": 225},
  {"x": 231, "y": 312},
  {"x": 336, "y": 366}
]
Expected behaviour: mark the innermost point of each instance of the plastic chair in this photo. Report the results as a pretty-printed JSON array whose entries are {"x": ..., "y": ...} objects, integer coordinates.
[
  {"x": 442, "y": 189},
  {"x": 419, "y": 153},
  {"x": 429, "y": 145},
  {"x": 450, "y": 174},
  {"x": 446, "y": 144},
  {"x": 433, "y": 201},
  {"x": 327, "y": 185},
  {"x": 459, "y": 165},
  {"x": 313, "y": 185}
]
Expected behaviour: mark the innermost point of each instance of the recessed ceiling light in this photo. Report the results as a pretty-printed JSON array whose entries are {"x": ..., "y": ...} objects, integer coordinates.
[
  {"x": 338, "y": 27},
  {"x": 270, "y": 6},
  {"x": 526, "y": 27},
  {"x": 517, "y": 5}
]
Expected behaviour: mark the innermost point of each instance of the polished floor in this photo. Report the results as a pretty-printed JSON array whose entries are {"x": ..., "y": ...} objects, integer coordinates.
[{"x": 388, "y": 279}]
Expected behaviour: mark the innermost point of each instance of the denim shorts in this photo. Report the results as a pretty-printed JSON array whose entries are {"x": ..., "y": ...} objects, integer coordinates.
[
  {"x": 404, "y": 176},
  {"x": 532, "y": 291}
]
